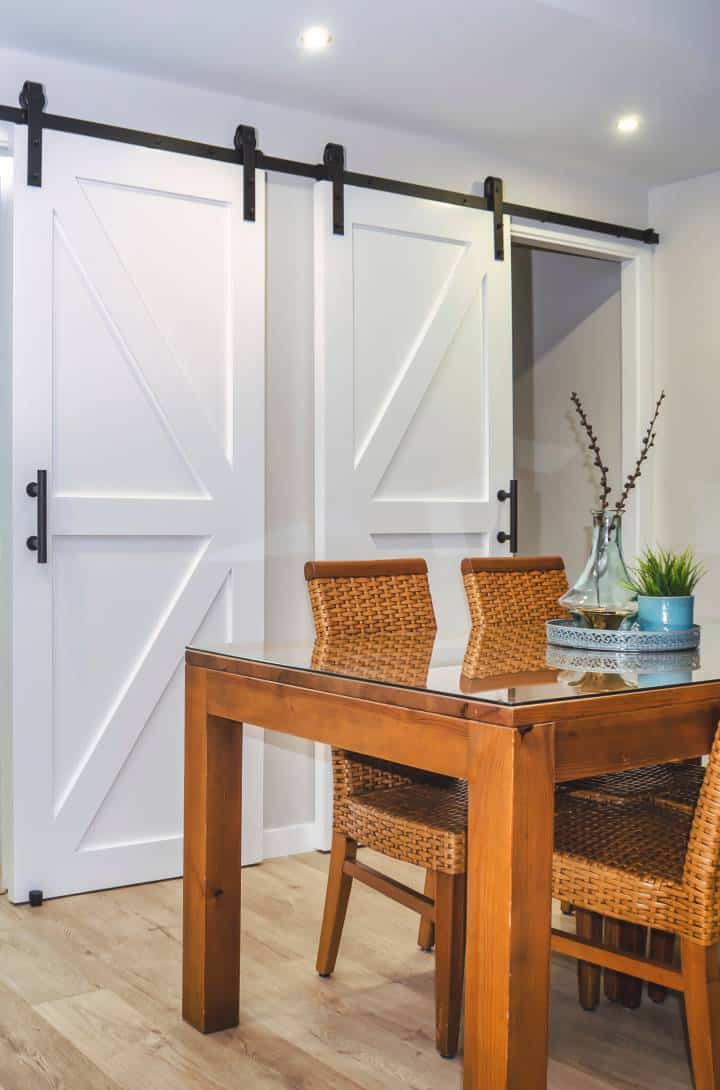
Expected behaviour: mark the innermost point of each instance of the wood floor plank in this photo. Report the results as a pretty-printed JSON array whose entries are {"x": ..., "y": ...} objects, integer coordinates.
[
  {"x": 53, "y": 974},
  {"x": 34, "y": 1056},
  {"x": 134, "y": 1053},
  {"x": 103, "y": 973}
]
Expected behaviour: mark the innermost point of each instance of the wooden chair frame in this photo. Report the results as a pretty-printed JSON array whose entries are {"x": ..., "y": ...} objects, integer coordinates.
[{"x": 442, "y": 905}]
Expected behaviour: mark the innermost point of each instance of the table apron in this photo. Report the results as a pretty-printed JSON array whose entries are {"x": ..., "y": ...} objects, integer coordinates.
[
  {"x": 433, "y": 743},
  {"x": 585, "y": 745},
  {"x": 610, "y": 743}
]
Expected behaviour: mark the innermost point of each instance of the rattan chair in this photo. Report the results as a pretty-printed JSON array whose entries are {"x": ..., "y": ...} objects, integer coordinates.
[
  {"x": 673, "y": 787},
  {"x": 652, "y": 866},
  {"x": 524, "y": 591},
  {"x": 377, "y": 618}
]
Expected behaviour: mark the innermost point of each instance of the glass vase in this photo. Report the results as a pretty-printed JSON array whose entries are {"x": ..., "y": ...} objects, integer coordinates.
[{"x": 601, "y": 597}]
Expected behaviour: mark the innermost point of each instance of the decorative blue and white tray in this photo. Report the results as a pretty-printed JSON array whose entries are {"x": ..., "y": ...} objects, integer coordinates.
[{"x": 565, "y": 633}]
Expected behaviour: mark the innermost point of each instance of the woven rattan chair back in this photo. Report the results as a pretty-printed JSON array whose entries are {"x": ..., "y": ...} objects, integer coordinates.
[
  {"x": 511, "y": 590},
  {"x": 366, "y": 603},
  {"x": 369, "y": 598},
  {"x": 701, "y": 873}
]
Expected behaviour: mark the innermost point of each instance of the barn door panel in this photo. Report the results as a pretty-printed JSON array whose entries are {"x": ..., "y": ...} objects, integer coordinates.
[
  {"x": 414, "y": 432},
  {"x": 138, "y": 378},
  {"x": 414, "y": 385}
]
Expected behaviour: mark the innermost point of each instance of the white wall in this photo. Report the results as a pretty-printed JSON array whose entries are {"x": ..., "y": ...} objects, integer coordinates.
[
  {"x": 687, "y": 360},
  {"x": 6, "y": 165},
  {"x": 114, "y": 97},
  {"x": 178, "y": 110},
  {"x": 566, "y": 336},
  {"x": 290, "y": 485}
]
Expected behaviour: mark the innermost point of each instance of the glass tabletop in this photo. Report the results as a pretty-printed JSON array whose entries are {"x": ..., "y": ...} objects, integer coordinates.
[{"x": 510, "y": 666}]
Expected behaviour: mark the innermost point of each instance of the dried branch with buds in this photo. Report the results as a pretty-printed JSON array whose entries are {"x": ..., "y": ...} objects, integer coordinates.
[
  {"x": 648, "y": 443},
  {"x": 594, "y": 447}
]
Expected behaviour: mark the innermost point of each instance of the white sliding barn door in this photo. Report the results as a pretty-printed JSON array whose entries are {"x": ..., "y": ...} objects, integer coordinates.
[
  {"x": 413, "y": 388},
  {"x": 138, "y": 384},
  {"x": 414, "y": 385}
]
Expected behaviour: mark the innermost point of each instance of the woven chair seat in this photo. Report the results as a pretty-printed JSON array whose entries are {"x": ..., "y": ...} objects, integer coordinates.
[
  {"x": 626, "y": 862},
  {"x": 418, "y": 823},
  {"x": 675, "y": 786}
]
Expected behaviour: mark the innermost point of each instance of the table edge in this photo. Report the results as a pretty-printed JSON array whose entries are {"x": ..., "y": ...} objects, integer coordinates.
[{"x": 472, "y": 709}]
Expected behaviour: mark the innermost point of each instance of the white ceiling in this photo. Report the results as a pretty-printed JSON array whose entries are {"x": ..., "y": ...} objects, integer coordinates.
[{"x": 545, "y": 80}]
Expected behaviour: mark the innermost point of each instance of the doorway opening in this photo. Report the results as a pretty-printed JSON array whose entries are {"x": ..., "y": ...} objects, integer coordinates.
[{"x": 567, "y": 335}]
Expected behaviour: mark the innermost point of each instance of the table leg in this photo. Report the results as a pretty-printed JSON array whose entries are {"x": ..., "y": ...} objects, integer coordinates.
[
  {"x": 211, "y": 881},
  {"x": 510, "y": 843}
]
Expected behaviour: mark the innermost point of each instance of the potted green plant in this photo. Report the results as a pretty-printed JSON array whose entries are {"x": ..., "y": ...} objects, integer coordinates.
[{"x": 664, "y": 582}]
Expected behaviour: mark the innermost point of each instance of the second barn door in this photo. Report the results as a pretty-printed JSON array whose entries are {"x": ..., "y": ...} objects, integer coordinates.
[
  {"x": 414, "y": 399},
  {"x": 414, "y": 385}
]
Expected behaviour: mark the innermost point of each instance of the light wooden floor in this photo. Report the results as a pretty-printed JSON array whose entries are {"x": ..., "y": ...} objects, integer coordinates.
[{"x": 89, "y": 1000}]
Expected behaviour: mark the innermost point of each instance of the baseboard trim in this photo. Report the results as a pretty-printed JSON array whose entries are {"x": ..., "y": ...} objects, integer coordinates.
[{"x": 291, "y": 840}]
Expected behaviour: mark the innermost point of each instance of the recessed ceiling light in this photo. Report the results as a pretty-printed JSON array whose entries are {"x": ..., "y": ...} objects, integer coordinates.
[
  {"x": 631, "y": 123},
  {"x": 315, "y": 38}
]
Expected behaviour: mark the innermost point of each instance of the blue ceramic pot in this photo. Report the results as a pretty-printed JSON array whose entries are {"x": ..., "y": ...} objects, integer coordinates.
[{"x": 665, "y": 614}]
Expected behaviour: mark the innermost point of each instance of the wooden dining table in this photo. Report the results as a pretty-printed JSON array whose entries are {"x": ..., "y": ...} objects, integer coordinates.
[{"x": 499, "y": 709}]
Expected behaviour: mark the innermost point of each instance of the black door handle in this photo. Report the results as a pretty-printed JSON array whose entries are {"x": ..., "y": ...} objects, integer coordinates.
[
  {"x": 512, "y": 537},
  {"x": 37, "y": 490}
]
